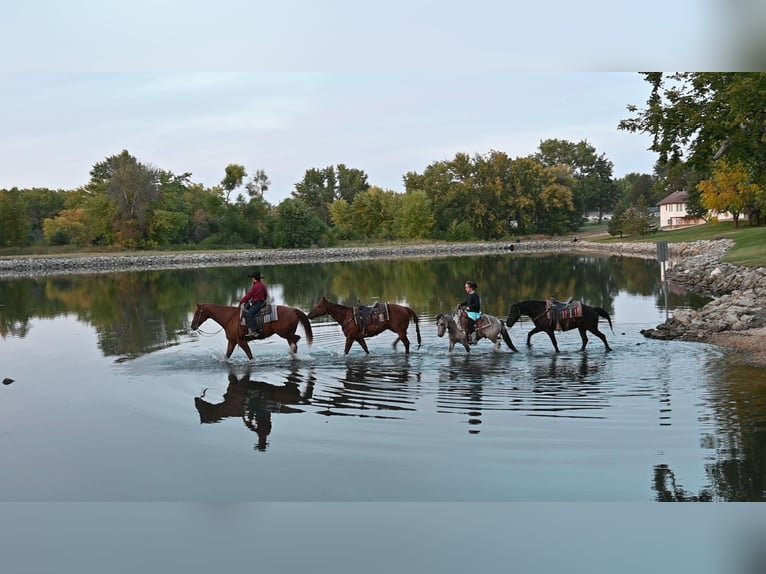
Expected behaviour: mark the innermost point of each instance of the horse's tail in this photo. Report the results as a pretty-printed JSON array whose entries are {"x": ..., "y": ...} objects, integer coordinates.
[
  {"x": 507, "y": 338},
  {"x": 306, "y": 325},
  {"x": 417, "y": 326},
  {"x": 605, "y": 315}
]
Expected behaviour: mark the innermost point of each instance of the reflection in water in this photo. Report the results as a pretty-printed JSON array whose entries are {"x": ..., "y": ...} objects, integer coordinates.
[
  {"x": 255, "y": 401},
  {"x": 615, "y": 408},
  {"x": 381, "y": 384}
]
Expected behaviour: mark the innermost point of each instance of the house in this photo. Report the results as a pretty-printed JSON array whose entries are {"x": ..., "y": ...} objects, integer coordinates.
[{"x": 673, "y": 212}]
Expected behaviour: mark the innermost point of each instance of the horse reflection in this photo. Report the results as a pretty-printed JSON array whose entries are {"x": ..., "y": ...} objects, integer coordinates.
[
  {"x": 385, "y": 388},
  {"x": 254, "y": 402}
]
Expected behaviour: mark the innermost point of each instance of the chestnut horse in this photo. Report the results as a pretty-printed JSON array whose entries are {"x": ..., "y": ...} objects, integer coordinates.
[
  {"x": 540, "y": 313},
  {"x": 236, "y": 333},
  {"x": 398, "y": 321}
]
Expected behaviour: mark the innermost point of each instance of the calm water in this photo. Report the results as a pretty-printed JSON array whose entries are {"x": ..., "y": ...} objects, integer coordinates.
[{"x": 114, "y": 399}]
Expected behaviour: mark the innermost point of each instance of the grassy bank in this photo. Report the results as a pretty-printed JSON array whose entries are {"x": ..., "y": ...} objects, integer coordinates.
[{"x": 749, "y": 248}]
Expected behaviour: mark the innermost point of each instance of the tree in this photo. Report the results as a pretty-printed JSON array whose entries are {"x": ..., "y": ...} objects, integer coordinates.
[
  {"x": 296, "y": 225},
  {"x": 351, "y": 182},
  {"x": 594, "y": 189},
  {"x": 134, "y": 190},
  {"x": 730, "y": 189},
  {"x": 321, "y": 187},
  {"x": 235, "y": 173},
  {"x": 258, "y": 184},
  {"x": 636, "y": 185},
  {"x": 703, "y": 118},
  {"x": 317, "y": 191},
  {"x": 417, "y": 219},
  {"x": 13, "y": 220}
]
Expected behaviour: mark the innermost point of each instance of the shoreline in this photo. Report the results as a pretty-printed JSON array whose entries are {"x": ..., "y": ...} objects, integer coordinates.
[
  {"x": 702, "y": 256},
  {"x": 36, "y": 266}
]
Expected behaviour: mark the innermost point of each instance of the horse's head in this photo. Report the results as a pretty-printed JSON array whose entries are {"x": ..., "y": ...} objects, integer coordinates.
[
  {"x": 441, "y": 324},
  {"x": 200, "y": 315},
  {"x": 513, "y": 315},
  {"x": 321, "y": 308}
]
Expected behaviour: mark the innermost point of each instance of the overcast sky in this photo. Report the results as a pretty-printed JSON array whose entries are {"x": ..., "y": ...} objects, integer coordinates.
[
  {"x": 57, "y": 126},
  {"x": 386, "y": 88}
]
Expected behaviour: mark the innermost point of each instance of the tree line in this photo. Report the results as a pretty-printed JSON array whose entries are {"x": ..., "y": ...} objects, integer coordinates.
[
  {"x": 131, "y": 205},
  {"x": 708, "y": 130}
]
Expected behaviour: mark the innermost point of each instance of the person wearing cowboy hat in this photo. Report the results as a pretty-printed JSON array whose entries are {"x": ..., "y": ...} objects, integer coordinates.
[{"x": 257, "y": 298}]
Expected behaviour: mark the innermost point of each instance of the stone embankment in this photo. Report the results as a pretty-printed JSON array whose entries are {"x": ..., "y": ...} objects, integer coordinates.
[
  {"x": 60, "y": 265},
  {"x": 738, "y": 305}
]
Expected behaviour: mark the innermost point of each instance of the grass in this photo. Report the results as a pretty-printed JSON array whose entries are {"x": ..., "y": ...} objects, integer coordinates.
[{"x": 749, "y": 242}]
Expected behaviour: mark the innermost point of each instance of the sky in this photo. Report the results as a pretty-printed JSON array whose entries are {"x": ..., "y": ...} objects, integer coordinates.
[
  {"x": 58, "y": 125},
  {"x": 289, "y": 86}
]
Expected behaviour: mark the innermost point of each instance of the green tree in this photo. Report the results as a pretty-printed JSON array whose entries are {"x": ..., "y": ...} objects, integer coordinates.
[
  {"x": 417, "y": 219},
  {"x": 296, "y": 225},
  {"x": 16, "y": 229},
  {"x": 594, "y": 188},
  {"x": 703, "y": 118},
  {"x": 235, "y": 174},
  {"x": 258, "y": 184},
  {"x": 134, "y": 190}
]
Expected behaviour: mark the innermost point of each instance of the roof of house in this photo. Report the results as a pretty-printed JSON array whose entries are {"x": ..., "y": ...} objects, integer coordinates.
[{"x": 675, "y": 197}]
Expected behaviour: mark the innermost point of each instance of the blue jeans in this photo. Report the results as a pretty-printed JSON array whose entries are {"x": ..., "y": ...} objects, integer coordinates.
[{"x": 252, "y": 312}]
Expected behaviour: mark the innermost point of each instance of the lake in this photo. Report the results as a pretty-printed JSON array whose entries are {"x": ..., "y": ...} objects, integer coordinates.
[{"x": 114, "y": 398}]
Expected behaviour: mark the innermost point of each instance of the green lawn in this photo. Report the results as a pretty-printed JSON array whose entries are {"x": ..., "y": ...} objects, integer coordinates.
[{"x": 749, "y": 248}]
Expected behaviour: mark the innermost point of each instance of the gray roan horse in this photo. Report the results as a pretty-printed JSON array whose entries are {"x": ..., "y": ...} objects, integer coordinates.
[{"x": 487, "y": 327}]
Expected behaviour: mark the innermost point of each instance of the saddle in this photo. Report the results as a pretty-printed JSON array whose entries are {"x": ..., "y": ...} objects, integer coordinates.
[
  {"x": 561, "y": 313},
  {"x": 267, "y": 314},
  {"x": 480, "y": 324},
  {"x": 366, "y": 315}
]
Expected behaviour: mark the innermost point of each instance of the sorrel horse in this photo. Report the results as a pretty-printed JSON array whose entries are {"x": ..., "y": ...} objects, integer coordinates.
[
  {"x": 236, "y": 334},
  {"x": 545, "y": 320},
  {"x": 398, "y": 321},
  {"x": 488, "y": 326},
  {"x": 253, "y": 402}
]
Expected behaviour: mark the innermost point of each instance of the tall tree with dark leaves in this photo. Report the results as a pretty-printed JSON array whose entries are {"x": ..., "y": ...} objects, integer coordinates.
[
  {"x": 133, "y": 188},
  {"x": 703, "y": 118}
]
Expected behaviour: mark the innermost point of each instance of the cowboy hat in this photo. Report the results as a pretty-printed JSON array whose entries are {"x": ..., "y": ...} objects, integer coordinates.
[{"x": 255, "y": 275}]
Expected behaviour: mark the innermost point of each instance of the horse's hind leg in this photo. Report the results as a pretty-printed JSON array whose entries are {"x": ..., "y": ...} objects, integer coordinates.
[
  {"x": 601, "y": 336},
  {"x": 292, "y": 340},
  {"x": 405, "y": 341}
]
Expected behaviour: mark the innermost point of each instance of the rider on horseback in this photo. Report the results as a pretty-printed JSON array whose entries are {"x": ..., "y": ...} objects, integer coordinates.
[
  {"x": 472, "y": 306},
  {"x": 257, "y": 298}
]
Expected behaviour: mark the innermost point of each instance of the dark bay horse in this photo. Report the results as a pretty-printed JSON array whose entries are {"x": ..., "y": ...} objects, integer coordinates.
[
  {"x": 236, "y": 334},
  {"x": 489, "y": 327},
  {"x": 541, "y": 314},
  {"x": 398, "y": 321}
]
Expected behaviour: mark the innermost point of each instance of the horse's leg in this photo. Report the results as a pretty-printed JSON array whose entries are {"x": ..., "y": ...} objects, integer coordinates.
[
  {"x": 292, "y": 340},
  {"x": 231, "y": 343},
  {"x": 245, "y": 347},
  {"x": 552, "y": 337},
  {"x": 405, "y": 341},
  {"x": 363, "y": 344},
  {"x": 532, "y": 332},
  {"x": 583, "y": 336},
  {"x": 601, "y": 336}
]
